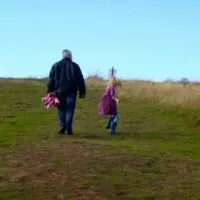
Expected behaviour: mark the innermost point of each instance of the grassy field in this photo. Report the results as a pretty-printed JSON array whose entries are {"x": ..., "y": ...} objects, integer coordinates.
[{"x": 155, "y": 156}]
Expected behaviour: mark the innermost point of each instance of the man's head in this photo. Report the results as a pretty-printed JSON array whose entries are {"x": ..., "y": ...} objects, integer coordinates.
[{"x": 67, "y": 54}]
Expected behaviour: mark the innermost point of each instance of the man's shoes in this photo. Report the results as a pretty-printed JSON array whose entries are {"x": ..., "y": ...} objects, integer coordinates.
[{"x": 62, "y": 131}]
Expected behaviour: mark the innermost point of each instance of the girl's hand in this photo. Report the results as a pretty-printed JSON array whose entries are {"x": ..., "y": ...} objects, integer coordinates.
[{"x": 117, "y": 100}]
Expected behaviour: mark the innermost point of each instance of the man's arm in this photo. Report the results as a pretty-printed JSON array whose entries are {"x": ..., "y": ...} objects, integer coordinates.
[
  {"x": 51, "y": 80},
  {"x": 80, "y": 82}
]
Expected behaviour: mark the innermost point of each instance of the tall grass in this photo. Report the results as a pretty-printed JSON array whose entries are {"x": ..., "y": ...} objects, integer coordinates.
[{"x": 174, "y": 94}]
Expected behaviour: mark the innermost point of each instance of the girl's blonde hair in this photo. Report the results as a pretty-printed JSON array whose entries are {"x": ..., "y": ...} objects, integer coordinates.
[{"x": 113, "y": 82}]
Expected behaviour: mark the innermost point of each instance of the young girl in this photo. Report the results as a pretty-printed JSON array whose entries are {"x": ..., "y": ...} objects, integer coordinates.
[{"x": 108, "y": 105}]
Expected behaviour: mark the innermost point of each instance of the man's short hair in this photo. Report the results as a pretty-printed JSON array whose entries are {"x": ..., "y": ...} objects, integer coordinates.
[{"x": 67, "y": 54}]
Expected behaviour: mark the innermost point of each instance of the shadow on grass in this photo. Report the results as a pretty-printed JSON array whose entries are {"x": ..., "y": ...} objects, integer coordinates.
[{"x": 93, "y": 136}]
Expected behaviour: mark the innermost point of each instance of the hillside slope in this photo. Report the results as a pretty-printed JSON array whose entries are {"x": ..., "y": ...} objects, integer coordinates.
[{"x": 155, "y": 156}]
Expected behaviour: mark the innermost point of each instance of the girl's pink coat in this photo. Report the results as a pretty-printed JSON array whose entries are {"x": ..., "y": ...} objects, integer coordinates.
[{"x": 108, "y": 105}]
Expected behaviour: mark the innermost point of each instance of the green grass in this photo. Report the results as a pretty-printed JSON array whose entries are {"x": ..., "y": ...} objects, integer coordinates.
[{"x": 155, "y": 156}]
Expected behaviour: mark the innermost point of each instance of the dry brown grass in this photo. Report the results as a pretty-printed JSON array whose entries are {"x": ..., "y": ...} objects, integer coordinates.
[
  {"x": 76, "y": 170},
  {"x": 174, "y": 94}
]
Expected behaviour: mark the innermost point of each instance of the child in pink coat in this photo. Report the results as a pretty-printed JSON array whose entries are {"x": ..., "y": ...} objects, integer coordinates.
[{"x": 108, "y": 105}]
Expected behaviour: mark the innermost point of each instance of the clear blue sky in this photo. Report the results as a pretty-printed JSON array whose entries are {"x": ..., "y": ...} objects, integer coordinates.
[{"x": 150, "y": 39}]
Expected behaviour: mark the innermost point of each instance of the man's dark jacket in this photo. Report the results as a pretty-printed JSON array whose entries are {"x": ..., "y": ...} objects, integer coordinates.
[{"x": 66, "y": 78}]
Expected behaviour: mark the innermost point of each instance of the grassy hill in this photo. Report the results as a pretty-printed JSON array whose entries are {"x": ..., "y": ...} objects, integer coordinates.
[{"x": 155, "y": 156}]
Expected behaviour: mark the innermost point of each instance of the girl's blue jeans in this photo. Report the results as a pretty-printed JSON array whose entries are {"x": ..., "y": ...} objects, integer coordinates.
[{"x": 112, "y": 123}]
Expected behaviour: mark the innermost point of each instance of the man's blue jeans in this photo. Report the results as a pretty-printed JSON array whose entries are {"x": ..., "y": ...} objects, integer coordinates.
[
  {"x": 66, "y": 113},
  {"x": 112, "y": 123}
]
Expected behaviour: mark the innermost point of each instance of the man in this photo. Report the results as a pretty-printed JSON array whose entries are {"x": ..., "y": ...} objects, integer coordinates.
[{"x": 65, "y": 80}]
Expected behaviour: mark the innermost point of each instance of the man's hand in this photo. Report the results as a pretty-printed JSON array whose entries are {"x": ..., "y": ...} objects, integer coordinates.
[{"x": 82, "y": 96}]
